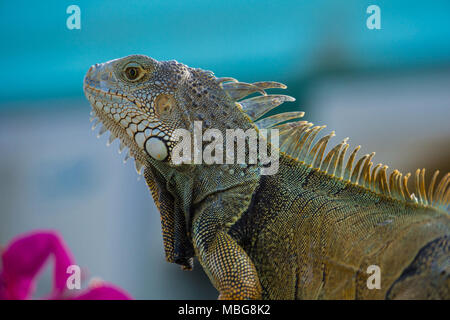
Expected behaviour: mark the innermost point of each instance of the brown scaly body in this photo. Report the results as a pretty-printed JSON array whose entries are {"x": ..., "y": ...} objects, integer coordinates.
[
  {"x": 309, "y": 231},
  {"x": 324, "y": 250}
]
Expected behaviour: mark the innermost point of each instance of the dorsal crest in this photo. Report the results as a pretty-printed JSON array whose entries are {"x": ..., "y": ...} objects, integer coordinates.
[{"x": 298, "y": 140}]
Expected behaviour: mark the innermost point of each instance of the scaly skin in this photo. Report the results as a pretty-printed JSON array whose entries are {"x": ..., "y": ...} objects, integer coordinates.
[{"x": 309, "y": 231}]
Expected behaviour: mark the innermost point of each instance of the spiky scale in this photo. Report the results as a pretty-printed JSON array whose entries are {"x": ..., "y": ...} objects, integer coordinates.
[
  {"x": 306, "y": 142},
  {"x": 273, "y": 120},
  {"x": 442, "y": 187},
  {"x": 374, "y": 178},
  {"x": 139, "y": 167},
  {"x": 225, "y": 79},
  {"x": 239, "y": 90},
  {"x": 330, "y": 162},
  {"x": 121, "y": 147},
  {"x": 95, "y": 124},
  {"x": 392, "y": 185},
  {"x": 257, "y": 106},
  {"x": 111, "y": 139},
  {"x": 383, "y": 181},
  {"x": 405, "y": 186},
  {"x": 364, "y": 178},
  {"x": 348, "y": 167},
  {"x": 431, "y": 187},
  {"x": 340, "y": 164},
  {"x": 127, "y": 156},
  {"x": 323, "y": 144},
  {"x": 356, "y": 171},
  {"x": 269, "y": 85},
  {"x": 292, "y": 138},
  {"x": 101, "y": 131},
  {"x": 400, "y": 186}
]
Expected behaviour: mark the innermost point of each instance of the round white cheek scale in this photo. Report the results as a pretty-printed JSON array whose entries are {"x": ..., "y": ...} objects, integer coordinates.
[{"x": 156, "y": 148}]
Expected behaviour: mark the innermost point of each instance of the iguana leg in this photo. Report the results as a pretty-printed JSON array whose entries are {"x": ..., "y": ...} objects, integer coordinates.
[
  {"x": 230, "y": 269},
  {"x": 226, "y": 263}
]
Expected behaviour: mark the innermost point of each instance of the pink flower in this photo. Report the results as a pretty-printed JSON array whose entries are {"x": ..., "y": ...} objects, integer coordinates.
[{"x": 24, "y": 258}]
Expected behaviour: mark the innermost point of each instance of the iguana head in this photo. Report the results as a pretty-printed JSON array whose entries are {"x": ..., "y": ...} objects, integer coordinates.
[{"x": 134, "y": 98}]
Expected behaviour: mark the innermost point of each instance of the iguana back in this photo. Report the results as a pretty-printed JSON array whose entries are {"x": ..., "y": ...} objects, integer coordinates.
[
  {"x": 328, "y": 234},
  {"x": 311, "y": 230}
]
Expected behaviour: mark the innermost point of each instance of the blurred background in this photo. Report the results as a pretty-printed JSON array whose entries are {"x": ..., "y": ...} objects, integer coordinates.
[{"x": 386, "y": 89}]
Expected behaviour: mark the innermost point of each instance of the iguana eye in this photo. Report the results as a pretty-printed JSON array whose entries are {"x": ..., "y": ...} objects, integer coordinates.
[{"x": 133, "y": 72}]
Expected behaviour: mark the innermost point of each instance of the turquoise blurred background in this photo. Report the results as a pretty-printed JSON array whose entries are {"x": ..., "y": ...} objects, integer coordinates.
[{"x": 387, "y": 89}]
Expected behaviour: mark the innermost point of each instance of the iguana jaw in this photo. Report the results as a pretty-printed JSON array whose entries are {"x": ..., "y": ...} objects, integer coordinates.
[{"x": 125, "y": 117}]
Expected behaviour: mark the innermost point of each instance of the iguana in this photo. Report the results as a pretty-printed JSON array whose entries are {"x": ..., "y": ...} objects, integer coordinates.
[{"x": 310, "y": 231}]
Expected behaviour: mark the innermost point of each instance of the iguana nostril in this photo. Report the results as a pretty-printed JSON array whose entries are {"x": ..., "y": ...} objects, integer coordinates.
[{"x": 92, "y": 73}]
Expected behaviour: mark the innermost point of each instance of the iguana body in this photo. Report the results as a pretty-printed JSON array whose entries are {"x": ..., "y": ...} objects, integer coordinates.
[{"x": 309, "y": 231}]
